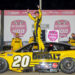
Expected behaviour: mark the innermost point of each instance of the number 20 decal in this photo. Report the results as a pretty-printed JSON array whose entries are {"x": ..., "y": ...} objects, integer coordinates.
[{"x": 21, "y": 61}]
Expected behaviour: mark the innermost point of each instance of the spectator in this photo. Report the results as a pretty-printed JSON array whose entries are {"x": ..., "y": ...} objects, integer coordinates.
[
  {"x": 72, "y": 39},
  {"x": 16, "y": 43}
]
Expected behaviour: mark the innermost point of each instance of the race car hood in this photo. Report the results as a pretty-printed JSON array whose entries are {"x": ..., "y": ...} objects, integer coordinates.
[{"x": 3, "y": 52}]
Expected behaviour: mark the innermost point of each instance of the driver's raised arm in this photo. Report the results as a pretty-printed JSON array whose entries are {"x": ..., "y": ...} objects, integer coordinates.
[
  {"x": 40, "y": 12},
  {"x": 29, "y": 14}
]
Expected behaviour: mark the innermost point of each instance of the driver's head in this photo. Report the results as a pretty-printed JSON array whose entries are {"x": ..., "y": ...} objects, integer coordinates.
[
  {"x": 36, "y": 13},
  {"x": 17, "y": 35},
  {"x": 73, "y": 35}
]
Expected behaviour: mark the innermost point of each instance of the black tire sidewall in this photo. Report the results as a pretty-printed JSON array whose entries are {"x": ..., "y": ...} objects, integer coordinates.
[
  {"x": 63, "y": 69},
  {"x": 6, "y": 65}
]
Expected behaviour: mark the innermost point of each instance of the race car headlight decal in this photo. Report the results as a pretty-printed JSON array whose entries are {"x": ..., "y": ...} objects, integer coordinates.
[
  {"x": 46, "y": 66},
  {"x": 55, "y": 65},
  {"x": 43, "y": 64}
]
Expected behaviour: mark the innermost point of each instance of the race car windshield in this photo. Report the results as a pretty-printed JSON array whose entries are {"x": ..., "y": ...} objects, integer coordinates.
[
  {"x": 27, "y": 48},
  {"x": 24, "y": 48}
]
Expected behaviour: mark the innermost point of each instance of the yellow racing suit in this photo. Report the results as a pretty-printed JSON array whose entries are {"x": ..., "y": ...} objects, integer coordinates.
[
  {"x": 16, "y": 44},
  {"x": 37, "y": 29},
  {"x": 72, "y": 41}
]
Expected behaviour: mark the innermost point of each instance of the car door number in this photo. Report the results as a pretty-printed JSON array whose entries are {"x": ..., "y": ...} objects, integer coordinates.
[{"x": 21, "y": 61}]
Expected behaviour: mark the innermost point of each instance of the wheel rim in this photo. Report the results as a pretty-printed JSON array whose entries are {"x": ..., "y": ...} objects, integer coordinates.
[
  {"x": 68, "y": 65},
  {"x": 2, "y": 64}
]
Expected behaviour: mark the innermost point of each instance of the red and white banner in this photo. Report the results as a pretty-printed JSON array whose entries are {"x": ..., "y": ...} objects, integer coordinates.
[
  {"x": 19, "y": 21},
  {"x": 44, "y": 12}
]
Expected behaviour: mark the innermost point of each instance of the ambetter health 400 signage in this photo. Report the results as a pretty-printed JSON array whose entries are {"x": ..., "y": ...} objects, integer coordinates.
[{"x": 19, "y": 21}]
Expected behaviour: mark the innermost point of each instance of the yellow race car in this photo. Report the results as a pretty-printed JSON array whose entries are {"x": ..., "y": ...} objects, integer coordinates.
[{"x": 57, "y": 56}]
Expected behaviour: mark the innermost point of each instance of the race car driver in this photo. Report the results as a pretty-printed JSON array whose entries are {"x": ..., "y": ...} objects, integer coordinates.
[
  {"x": 72, "y": 39},
  {"x": 16, "y": 43},
  {"x": 37, "y": 29}
]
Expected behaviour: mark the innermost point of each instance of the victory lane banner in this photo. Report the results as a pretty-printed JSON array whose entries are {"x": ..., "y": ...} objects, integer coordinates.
[{"x": 18, "y": 21}]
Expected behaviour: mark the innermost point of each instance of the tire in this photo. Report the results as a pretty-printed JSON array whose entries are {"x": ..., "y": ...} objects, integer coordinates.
[
  {"x": 3, "y": 65},
  {"x": 67, "y": 65}
]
